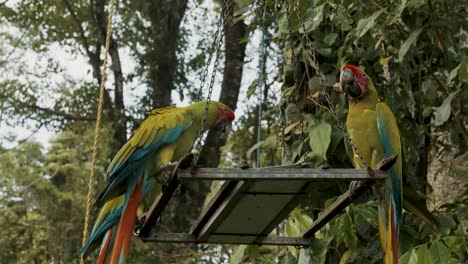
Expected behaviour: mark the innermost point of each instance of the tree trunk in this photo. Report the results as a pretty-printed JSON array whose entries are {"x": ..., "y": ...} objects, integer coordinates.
[
  {"x": 233, "y": 65},
  {"x": 165, "y": 17}
]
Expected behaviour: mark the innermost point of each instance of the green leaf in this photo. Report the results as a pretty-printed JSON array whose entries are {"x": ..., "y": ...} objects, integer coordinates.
[
  {"x": 346, "y": 256},
  {"x": 318, "y": 250},
  {"x": 304, "y": 257},
  {"x": 453, "y": 74},
  {"x": 366, "y": 23},
  {"x": 292, "y": 229},
  {"x": 410, "y": 257},
  {"x": 313, "y": 18},
  {"x": 252, "y": 88},
  {"x": 330, "y": 38},
  {"x": 304, "y": 220},
  {"x": 407, "y": 44},
  {"x": 439, "y": 252},
  {"x": 423, "y": 255},
  {"x": 463, "y": 70},
  {"x": 319, "y": 139},
  {"x": 291, "y": 259},
  {"x": 442, "y": 113},
  {"x": 238, "y": 255}
]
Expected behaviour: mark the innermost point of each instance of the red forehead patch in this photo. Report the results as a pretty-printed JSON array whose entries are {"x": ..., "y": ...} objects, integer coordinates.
[
  {"x": 229, "y": 114},
  {"x": 355, "y": 70}
]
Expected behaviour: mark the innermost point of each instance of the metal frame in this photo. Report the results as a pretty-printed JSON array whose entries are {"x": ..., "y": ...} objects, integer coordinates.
[{"x": 242, "y": 183}]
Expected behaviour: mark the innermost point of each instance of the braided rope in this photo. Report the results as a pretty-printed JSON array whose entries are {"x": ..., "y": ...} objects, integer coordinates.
[{"x": 92, "y": 176}]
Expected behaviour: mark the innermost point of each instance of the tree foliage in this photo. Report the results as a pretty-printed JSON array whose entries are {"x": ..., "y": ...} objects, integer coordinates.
[{"x": 414, "y": 50}]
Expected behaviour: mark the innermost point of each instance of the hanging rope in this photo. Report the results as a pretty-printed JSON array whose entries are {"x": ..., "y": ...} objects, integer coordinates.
[{"x": 92, "y": 176}]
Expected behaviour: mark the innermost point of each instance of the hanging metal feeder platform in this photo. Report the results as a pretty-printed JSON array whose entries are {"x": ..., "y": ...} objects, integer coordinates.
[{"x": 253, "y": 202}]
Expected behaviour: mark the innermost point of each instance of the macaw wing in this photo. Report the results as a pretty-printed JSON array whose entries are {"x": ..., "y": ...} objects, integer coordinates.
[
  {"x": 162, "y": 127},
  {"x": 391, "y": 143}
]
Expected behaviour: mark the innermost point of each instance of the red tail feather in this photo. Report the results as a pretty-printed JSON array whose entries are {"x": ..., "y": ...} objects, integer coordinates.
[
  {"x": 104, "y": 248},
  {"x": 125, "y": 230},
  {"x": 394, "y": 235}
]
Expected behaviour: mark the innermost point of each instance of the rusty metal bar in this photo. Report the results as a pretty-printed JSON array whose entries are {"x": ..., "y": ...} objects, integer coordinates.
[
  {"x": 356, "y": 189},
  {"x": 217, "y": 239},
  {"x": 336, "y": 207},
  {"x": 280, "y": 174}
]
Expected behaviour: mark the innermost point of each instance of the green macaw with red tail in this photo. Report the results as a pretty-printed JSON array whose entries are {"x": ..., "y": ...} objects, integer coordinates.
[
  {"x": 165, "y": 136},
  {"x": 374, "y": 132}
]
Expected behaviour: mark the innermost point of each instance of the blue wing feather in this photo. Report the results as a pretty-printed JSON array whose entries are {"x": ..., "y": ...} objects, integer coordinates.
[
  {"x": 121, "y": 174},
  {"x": 390, "y": 138},
  {"x": 111, "y": 220}
]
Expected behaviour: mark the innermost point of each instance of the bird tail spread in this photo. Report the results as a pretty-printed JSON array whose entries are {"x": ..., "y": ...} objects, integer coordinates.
[
  {"x": 388, "y": 234},
  {"x": 125, "y": 229},
  {"x": 417, "y": 206}
]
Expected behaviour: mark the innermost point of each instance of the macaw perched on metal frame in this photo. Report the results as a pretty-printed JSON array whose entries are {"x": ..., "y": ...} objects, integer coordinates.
[
  {"x": 373, "y": 130},
  {"x": 165, "y": 136}
]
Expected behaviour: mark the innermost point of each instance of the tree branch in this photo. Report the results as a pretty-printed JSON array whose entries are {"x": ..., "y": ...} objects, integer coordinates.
[
  {"x": 80, "y": 28},
  {"x": 21, "y": 141}
]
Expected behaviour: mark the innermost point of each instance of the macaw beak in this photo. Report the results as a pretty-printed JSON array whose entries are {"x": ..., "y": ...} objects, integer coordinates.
[
  {"x": 346, "y": 78},
  {"x": 223, "y": 128},
  {"x": 349, "y": 84},
  {"x": 337, "y": 87}
]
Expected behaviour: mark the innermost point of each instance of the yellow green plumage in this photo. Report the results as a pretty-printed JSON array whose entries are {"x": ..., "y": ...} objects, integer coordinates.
[
  {"x": 373, "y": 130},
  {"x": 166, "y": 135}
]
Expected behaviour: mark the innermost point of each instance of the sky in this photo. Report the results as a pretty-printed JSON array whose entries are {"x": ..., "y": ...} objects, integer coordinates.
[{"x": 77, "y": 68}]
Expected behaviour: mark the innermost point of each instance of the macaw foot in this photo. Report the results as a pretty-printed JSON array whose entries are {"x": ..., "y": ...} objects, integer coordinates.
[
  {"x": 243, "y": 165},
  {"x": 165, "y": 181},
  {"x": 140, "y": 221},
  {"x": 370, "y": 171},
  {"x": 169, "y": 166},
  {"x": 324, "y": 165},
  {"x": 387, "y": 163},
  {"x": 356, "y": 188},
  {"x": 353, "y": 186}
]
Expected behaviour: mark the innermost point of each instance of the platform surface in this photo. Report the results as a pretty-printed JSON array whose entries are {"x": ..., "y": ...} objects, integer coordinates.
[{"x": 250, "y": 204}]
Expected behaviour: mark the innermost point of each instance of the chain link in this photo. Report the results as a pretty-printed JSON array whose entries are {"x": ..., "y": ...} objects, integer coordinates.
[
  {"x": 321, "y": 76},
  {"x": 219, "y": 32}
]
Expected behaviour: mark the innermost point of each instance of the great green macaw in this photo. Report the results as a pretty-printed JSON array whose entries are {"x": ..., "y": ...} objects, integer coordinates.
[
  {"x": 165, "y": 136},
  {"x": 373, "y": 130}
]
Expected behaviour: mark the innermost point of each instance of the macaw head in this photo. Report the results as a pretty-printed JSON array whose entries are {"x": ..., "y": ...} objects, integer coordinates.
[
  {"x": 354, "y": 82},
  {"x": 219, "y": 117}
]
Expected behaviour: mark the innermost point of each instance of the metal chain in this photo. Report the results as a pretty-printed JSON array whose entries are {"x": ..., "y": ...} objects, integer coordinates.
[
  {"x": 210, "y": 57},
  {"x": 321, "y": 76},
  {"x": 223, "y": 19},
  {"x": 92, "y": 176}
]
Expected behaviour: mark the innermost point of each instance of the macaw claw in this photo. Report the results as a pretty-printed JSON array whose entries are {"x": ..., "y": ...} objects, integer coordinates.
[
  {"x": 165, "y": 181},
  {"x": 357, "y": 187},
  {"x": 387, "y": 163},
  {"x": 140, "y": 221},
  {"x": 169, "y": 166}
]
